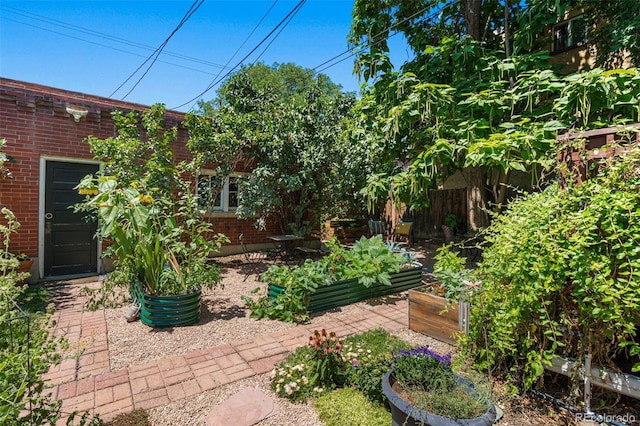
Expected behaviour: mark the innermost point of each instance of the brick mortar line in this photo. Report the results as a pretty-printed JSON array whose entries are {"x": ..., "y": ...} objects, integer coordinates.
[{"x": 344, "y": 322}]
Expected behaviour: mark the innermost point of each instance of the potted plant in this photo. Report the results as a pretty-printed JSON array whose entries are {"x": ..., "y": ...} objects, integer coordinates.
[
  {"x": 148, "y": 210},
  {"x": 422, "y": 388},
  {"x": 341, "y": 277},
  {"x": 440, "y": 308}
]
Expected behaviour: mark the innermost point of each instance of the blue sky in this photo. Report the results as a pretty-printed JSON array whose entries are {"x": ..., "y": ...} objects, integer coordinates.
[{"x": 55, "y": 43}]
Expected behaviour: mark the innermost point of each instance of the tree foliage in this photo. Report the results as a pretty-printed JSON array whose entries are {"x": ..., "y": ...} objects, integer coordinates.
[
  {"x": 462, "y": 104},
  {"x": 291, "y": 124}
]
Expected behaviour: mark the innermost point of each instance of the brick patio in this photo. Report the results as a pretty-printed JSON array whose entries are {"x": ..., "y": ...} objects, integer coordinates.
[{"x": 87, "y": 383}]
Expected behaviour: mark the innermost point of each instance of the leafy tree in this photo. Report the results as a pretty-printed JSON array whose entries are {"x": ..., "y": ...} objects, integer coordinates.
[
  {"x": 289, "y": 123},
  {"x": 464, "y": 102},
  {"x": 612, "y": 27}
]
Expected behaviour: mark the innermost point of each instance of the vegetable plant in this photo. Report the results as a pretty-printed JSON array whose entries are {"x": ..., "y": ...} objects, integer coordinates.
[{"x": 370, "y": 261}]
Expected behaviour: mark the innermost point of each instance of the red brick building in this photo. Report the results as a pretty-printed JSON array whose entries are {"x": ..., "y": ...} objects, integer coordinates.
[{"x": 45, "y": 130}]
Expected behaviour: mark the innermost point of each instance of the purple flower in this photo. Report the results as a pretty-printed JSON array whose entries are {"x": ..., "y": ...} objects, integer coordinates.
[
  {"x": 424, "y": 352},
  {"x": 355, "y": 363}
]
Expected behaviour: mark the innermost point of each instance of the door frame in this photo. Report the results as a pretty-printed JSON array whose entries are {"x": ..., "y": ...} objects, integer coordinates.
[{"x": 41, "y": 201}]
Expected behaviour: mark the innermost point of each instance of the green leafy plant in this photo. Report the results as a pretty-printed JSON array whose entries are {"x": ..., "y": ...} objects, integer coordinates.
[
  {"x": 451, "y": 221},
  {"x": 454, "y": 280},
  {"x": 148, "y": 209},
  {"x": 27, "y": 350},
  {"x": 311, "y": 370},
  {"x": 369, "y": 355},
  {"x": 560, "y": 276},
  {"x": 5, "y": 173},
  {"x": 329, "y": 366},
  {"x": 427, "y": 380},
  {"x": 347, "y": 406},
  {"x": 9, "y": 262},
  {"x": 298, "y": 152},
  {"x": 370, "y": 261},
  {"x": 327, "y": 363}
]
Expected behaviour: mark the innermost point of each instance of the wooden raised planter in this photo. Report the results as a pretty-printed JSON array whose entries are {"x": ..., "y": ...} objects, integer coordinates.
[
  {"x": 436, "y": 317},
  {"x": 342, "y": 293}
]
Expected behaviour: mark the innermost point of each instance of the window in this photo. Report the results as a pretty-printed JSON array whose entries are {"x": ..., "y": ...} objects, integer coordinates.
[
  {"x": 569, "y": 34},
  {"x": 216, "y": 196}
]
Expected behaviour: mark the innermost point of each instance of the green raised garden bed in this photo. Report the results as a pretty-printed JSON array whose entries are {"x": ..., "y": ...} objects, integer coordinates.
[
  {"x": 168, "y": 311},
  {"x": 342, "y": 293}
]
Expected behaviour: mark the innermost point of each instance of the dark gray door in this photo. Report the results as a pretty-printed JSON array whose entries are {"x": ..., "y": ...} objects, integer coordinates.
[{"x": 70, "y": 246}]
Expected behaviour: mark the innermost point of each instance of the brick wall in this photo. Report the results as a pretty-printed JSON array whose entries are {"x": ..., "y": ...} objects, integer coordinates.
[{"x": 35, "y": 123}]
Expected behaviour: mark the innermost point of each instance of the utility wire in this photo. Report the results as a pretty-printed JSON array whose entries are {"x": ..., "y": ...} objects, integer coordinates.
[
  {"x": 372, "y": 40},
  {"x": 213, "y": 83},
  {"x": 275, "y": 37},
  {"x": 244, "y": 42},
  {"x": 119, "y": 50},
  {"x": 98, "y": 34},
  {"x": 154, "y": 56}
]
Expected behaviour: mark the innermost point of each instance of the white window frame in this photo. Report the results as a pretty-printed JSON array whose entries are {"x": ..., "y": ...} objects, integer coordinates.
[
  {"x": 573, "y": 39},
  {"x": 224, "y": 206}
]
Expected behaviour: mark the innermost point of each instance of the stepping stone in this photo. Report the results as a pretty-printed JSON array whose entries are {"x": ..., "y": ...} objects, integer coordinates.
[{"x": 245, "y": 408}]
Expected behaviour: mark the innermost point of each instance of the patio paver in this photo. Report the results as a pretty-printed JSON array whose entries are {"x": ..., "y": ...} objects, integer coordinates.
[{"x": 86, "y": 382}]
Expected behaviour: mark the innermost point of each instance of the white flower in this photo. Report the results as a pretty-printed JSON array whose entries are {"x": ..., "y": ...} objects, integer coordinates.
[
  {"x": 287, "y": 389},
  {"x": 273, "y": 373},
  {"x": 319, "y": 390},
  {"x": 305, "y": 380},
  {"x": 281, "y": 381}
]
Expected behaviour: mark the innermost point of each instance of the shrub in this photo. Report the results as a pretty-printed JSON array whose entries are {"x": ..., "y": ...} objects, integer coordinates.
[
  {"x": 312, "y": 369},
  {"x": 328, "y": 365},
  {"x": 560, "y": 276},
  {"x": 291, "y": 378},
  {"x": 369, "y": 355}
]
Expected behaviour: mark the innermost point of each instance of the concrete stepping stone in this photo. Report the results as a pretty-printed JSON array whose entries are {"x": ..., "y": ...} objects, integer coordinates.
[{"x": 246, "y": 408}]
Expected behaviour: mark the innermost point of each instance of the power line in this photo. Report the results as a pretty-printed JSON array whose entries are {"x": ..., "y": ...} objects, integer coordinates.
[
  {"x": 98, "y": 34},
  {"x": 194, "y": 7},
  {"x": 274, "y": 38},
  {"x": 114, "y": 48},
  {"x": 245, "y": 41},
  {"x": 372, "y": 40},
  {"x": 213, "y": 83}
]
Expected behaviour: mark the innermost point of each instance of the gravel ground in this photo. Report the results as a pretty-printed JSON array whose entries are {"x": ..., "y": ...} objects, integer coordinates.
[{"x": 225, "y": 319}]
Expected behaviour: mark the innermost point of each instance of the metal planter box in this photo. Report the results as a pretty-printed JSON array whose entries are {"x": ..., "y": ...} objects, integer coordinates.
[{"x": 342, "y": 293}]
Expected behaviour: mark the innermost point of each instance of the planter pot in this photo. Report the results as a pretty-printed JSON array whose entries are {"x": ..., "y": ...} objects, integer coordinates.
[
  {"x": 342, "y": 293},
  {"x": 405, "y": 414},
  {"x": 436, "y": 317},
  {"x": 168, "y": 311},
  {"x": 25, "y": 266}
]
